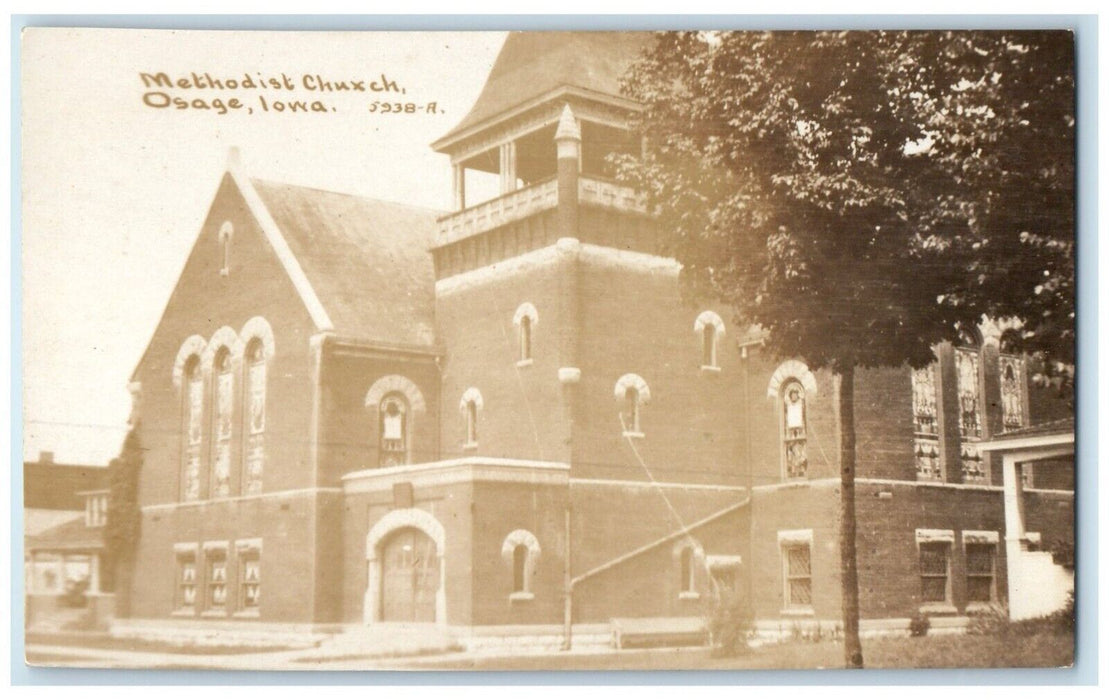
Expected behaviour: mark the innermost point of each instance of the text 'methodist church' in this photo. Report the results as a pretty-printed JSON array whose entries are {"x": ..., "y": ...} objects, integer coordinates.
[{"x": 360, "y": 413}]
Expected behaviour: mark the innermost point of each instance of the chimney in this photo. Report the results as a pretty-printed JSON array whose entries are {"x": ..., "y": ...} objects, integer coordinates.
[{"x": 46, "y": 457}]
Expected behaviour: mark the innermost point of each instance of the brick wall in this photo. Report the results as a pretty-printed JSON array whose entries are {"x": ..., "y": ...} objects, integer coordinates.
[
  {"x": 202, "y": 302},
  {"x": 349, "y": 430},
  {"x": 286, "y": 526},
  {"x": 523, "y": 415}
]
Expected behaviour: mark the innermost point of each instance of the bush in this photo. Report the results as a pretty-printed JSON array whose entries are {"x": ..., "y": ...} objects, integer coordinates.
[
  {"x": 730, "y": 621},
  {"x": 996, "y": 622},
  {"x": 919, "y": 625}
]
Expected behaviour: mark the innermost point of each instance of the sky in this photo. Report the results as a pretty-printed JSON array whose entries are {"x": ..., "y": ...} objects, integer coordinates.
[{"x": 115, "y": 190}]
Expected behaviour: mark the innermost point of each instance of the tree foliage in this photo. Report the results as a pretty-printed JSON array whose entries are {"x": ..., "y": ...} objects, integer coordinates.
[
  {"x": 121, "y": 533},
  {"x": 865, "y": 195}
]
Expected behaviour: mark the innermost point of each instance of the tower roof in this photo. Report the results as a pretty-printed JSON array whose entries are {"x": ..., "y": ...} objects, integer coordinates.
[{"x": 534, "y": 64}]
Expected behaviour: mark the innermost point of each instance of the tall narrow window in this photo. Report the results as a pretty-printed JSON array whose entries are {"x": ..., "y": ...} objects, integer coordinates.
[
  {"x": 797, "y": 575},
  {"x": 250, "y": 575},
  {"x": 470, "y": 406},
  {"x": 794, "y": 430},
  {"x": 708, "y": 346},
  {"x": 525, "y": 339},
  {"x": 222, "y": 386},
  {"x": 471, "y": 423},
  {"x": 520, "y": 550},
  {"x": 393, "y": 429},
  {"x": 631, "y": 410},
  {"x": 934, "y": 558},
  {"x": 193, "y": 428},
  {"x": 632, "y": 393},
  {"x": 186, "y": 578},
  {"x": 525, "y": 320},
  {"x": 216, "y": 560},
  {"x": 926, "y": 433},
  {"x": 225, "y": 233},
  {"x": 710, "y": 327},
  {"x": 970, "y": 419},
  {"x": 254, "y": 395},
  {"x": 981, "y": 557},
  {"x": 520, "y": 569},
  {"x": 1012, "y": 392}
]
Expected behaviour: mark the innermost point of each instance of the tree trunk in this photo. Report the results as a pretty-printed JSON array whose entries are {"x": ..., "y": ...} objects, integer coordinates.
[{"x": 852, "y": 648}]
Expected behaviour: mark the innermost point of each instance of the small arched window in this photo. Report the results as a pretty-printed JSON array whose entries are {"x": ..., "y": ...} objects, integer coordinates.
[
  {"x": 222, "y": 388},
  {"x": 192, "y": 427},
  {"x": 525, "y": 339},
  {"x": 521, "y": 551},
  {"x": 470, "y": 406},
  {"x": 794, "y": 429},
  {"x": 631, "y": 410},
  {"x": 520, "y": 569},
  {"x": 254, "y": 396},
  {"x": 393, "y": 431},
  {"x": 710, "y": 327},
  {"x": 525, "y": 320},
  {"x": 633, "y": 393},
  {"x": 226, "y": 231}
]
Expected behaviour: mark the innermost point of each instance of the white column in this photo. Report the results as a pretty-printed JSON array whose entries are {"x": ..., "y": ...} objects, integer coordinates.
[
  {"x": 371, "y": 602},
  {"x": 508, "y": 167},
  {"x": 94, "y": 573},
  {"x": 1014, "y": 532},
  {"x": 441, "y": 594},
  {"x": 458, "y": 175}
]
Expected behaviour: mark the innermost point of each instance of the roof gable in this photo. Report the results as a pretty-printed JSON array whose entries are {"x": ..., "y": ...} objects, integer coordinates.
[{"x": 532, "y": 64}]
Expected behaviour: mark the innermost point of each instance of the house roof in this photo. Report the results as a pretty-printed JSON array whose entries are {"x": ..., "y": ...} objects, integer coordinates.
[
  {"x": 72, "y": 534},
  {"x": 366, "y": 260},
  {"x": 52, "y": 486},
  {"x": 532, "y": 64}
]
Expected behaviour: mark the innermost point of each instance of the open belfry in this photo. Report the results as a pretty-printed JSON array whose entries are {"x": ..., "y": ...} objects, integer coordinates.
[{"x": 508, "y": 420}]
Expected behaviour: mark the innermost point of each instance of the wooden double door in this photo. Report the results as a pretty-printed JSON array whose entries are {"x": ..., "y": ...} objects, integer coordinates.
[{"x": 409, "y": 577}]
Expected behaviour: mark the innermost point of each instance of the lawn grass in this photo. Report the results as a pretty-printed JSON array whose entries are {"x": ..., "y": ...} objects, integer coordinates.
[
  {"x": 1045, "y": 650},
  {"x": 108, "y": 642}
]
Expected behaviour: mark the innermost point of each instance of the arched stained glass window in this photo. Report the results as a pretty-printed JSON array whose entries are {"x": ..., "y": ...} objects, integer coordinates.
[
  {"x": 254, "y": 398},
  {"x": 794, "y": 429}
]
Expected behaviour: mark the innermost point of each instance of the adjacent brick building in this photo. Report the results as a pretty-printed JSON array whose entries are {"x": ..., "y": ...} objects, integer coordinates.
[{"x": 357, "y": 412}]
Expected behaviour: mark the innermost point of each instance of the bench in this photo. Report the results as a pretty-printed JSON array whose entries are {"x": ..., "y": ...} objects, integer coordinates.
[{"x": 658, "y": 632}]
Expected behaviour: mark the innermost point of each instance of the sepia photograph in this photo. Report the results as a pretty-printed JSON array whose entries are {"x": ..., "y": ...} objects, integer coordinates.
[{"x": 548, "y": 350}]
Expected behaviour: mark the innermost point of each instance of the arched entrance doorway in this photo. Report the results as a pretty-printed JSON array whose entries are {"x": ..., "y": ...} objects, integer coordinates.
[
  {"x": 409, "y": 577},
  {"x": 406, "y": 577}
]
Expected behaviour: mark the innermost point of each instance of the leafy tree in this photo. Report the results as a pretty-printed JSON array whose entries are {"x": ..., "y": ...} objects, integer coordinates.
[
  {"x": 862, "y": 196},
  {"x": 121, "y": 533}
]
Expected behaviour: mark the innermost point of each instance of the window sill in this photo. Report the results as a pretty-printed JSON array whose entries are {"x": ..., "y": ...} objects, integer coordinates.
[
  {"x": 798, "y": 611},
  {"x": 214, "y": 613},
  {"x": 246, "y": 615},
  {"x": 938, "y": 609},
  {"x": 520, "y": 597},
  {"x": 183, "y": 612},
  {"x": 689, "y": 595},
  {"x": 977, "y": 608},
  {"x": 469, "y": 446},
  {"x": 710, "y": 370},
  {"x": 634, "y": 434},
  {"x": 525, "y": 363}
]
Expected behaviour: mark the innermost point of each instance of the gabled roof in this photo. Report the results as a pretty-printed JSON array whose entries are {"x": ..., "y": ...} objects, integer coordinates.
[
  {"x": 73, "y": 534},
  {"x": 533, "y": 64},
  {"x": 366, "y": 261}
]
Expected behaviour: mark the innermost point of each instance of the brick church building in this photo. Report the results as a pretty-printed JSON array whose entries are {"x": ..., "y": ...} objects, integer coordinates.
[{"x": 357, "y": 413}]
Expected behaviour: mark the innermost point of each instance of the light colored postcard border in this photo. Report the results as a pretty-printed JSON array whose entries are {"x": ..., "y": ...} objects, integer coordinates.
[{"x": 1086, "y": 487}]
